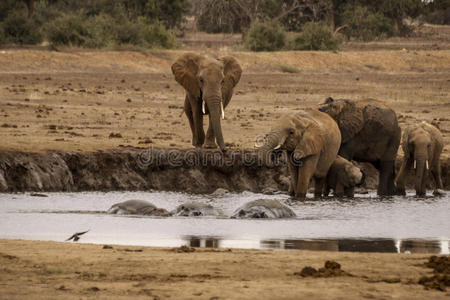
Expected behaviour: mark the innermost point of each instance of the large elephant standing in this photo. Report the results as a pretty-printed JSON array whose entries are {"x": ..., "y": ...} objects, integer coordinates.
[
  {"x": 209, "y": 86},
  {"x": 422, "y": 146},
  {"x": 370, "y": 133},
  {"x": 311, "y": 139}
]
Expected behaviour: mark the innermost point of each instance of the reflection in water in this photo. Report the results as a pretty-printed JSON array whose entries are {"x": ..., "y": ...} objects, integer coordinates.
[{"x": 343, "y": 245}]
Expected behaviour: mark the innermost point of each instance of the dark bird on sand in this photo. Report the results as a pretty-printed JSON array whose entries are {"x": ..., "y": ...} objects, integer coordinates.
[{"x": 76, "y": 236}]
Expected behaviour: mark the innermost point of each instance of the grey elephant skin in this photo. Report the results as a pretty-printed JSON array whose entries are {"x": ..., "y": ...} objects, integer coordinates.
[
  {"x": 209, "y": 85},
  {"x": 137, "y": 207},
  {"x": 263, "y": 209},
  {"x": 343, "y": 177},
  {"x": 370, "y": 133},
  {"x": 311, "y": 139},
  {"x": 196, "y": 209},
  {"x": 422, "y": 146}
]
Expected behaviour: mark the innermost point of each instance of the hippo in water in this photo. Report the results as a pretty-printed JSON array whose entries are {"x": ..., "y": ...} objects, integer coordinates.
[
  {"x": 263, "y": 209},
  {"x": 195, "y": 209},
  {"x": 137, "y": 207}
]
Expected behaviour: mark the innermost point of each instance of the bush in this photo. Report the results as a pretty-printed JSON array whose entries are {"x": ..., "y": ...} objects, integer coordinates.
[
  {"x": 267, "y": 36},
  {"x": 68, "y": 30},
  {"x": 156, "y": 35},
  {"x": 18, "y": 29},
  {"x": 364, "y": 24},
  {"x": 317, "y": 36}
]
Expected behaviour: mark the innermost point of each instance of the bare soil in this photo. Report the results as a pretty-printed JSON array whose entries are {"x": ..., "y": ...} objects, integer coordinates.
[
  {"x": 96, "y": 100},
  {"x": 50, "y": 270}
]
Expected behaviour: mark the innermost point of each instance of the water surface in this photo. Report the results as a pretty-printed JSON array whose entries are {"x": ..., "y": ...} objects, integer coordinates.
[{"x": 366, "y": 223}]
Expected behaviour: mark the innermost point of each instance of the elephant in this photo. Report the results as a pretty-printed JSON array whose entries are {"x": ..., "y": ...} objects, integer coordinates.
[
  {"x": 196, "y": 209},
  {"x": 422, "y": 146},
  {"x": 311, "y": 139},
  {"x": 262, "y": 209},
  {"x": 370, "y": 133},
  {"x": 137, "y": 207},
  {"x": 209, "y": 85},
  {"x": 342, "y": 177}
]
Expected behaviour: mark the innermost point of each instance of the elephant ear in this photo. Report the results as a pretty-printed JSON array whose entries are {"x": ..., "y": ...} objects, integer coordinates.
[
  {"x": 311, "y": 142},
  {"x": 185, "y": 71},
  {"x": 232, "y": 74},
  {"x": 405, "y": 141},
  {"x": 350, "y": 121}
]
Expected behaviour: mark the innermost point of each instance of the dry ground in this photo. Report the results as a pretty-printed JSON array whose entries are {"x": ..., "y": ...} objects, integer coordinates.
[
  {"x": 49, "y": 270},
  {"x": 97, "y": 100}
]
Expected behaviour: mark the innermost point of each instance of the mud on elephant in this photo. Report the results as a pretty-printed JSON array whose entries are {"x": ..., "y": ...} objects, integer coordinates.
[
  {"x": 311, "y": 139},
  {"x": 422, "y": 146},
  {"x": 370, "y": 133},
  {"x": 342, "y": 178},
  {"x": 209, "y": 86}
]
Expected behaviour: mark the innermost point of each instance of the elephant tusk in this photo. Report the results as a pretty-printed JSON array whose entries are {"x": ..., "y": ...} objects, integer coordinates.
[
  {"x": 203, "y": 107},
  {"x": 277, "y": 147},
  {"x": 426, "y": 164},
  {"x": 415, "y": 162},
  {"x": 222, "y": 110}
]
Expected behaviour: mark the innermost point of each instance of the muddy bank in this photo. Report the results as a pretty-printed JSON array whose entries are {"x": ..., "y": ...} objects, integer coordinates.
[{"x": 193, "y": 171}]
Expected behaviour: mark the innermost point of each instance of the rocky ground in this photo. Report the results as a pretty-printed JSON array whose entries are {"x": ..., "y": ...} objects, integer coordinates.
[{"x": 49, "y": 270}]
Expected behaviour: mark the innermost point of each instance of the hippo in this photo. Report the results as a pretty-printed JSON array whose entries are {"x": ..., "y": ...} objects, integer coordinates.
[
  {"x": 263, "y": 209},
  {"x": 137, "y": 207},
  {"x": 195, "y": 209}
]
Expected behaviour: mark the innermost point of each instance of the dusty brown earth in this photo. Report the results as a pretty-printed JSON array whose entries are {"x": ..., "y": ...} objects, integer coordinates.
[
  {"x": 49, "y": 270},
  {"x": 96, "y": 100}
]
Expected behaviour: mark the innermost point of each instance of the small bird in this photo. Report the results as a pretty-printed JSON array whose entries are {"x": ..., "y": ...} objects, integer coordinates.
[{"x": 76, "y": 236}]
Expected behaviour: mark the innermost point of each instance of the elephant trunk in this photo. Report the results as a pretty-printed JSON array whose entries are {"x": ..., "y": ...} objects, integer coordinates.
[
  {"x": 421, "y": 168},
  {"x": 272, "y": 141},
  {"x": 215, "y": 108}
]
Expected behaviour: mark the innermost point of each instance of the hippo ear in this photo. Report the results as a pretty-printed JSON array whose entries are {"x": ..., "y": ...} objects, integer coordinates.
[
  {"x": 350, "y": 121},
  {"x": 232, "y": 74},
  {"x": 185, "y": 70}
]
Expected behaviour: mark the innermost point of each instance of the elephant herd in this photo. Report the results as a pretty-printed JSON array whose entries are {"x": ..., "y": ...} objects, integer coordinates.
[{"x": 320, "y": 142}]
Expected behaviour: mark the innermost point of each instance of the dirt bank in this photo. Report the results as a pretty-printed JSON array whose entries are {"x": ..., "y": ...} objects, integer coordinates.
[
  {"x": 49, "y": 270},
  {"x": 192, "y": 171}
]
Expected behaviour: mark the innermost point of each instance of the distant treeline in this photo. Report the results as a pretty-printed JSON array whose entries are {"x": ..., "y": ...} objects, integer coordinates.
[{"x": 153, "y": 23}]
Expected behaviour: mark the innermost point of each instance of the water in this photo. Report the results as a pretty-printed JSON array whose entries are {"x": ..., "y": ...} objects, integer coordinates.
[{"x": 366, "y": 223}]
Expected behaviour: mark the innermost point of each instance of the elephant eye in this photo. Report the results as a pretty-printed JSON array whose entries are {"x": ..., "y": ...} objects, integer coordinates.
[
  {"x": 201, "y": 79},
  {"x": 222, "y": 82},
  {"x": 291, "y": 131}
]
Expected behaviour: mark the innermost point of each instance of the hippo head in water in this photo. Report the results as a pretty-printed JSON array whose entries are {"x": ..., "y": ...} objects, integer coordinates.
[
  {"x": 137, "y": 207},
  {"x": 196, "y": 209},
  {"x": 263, "y": 209}
]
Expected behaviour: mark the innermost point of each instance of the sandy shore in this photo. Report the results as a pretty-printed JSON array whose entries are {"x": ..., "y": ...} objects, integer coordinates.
[{"x": 50, "y": 270}]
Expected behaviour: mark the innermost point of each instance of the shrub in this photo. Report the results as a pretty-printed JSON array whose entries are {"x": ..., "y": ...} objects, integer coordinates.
[
  {"x": 317, "y": 36},
  {"x": 18, "y": 29},
  {"x": 289, "y": 69},
  {"x": 365, "y": 24},
  {"x": 68, "y": 30},
  {"x": 2, "y": 35},
  {"x": 267, "y": 36},
  {"x": 156, "y": 35}
]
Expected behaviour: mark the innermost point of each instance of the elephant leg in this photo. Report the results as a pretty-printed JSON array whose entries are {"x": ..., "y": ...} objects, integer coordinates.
[
  {"x": 401, "y": 177},
  {"x": 339, "y": 190},
  {"x": 188, "y": 112},
  {"x": 305, "y": 172},
  {"x": 349, "y": 192},
  {"x": 436, "y": 171},
  {"x": 210, "y": 138},
  {"x": 293, "y": 172},
  {"x": 197, "y": 115},
  {"x": 386, "y": 185},
  {"x": 318, "y": 187}
]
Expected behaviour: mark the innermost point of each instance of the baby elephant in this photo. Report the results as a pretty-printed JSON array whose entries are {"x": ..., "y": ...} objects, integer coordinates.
[
  {"x": 422, "y": 145},
  {"x": 342, "y": 178}
]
